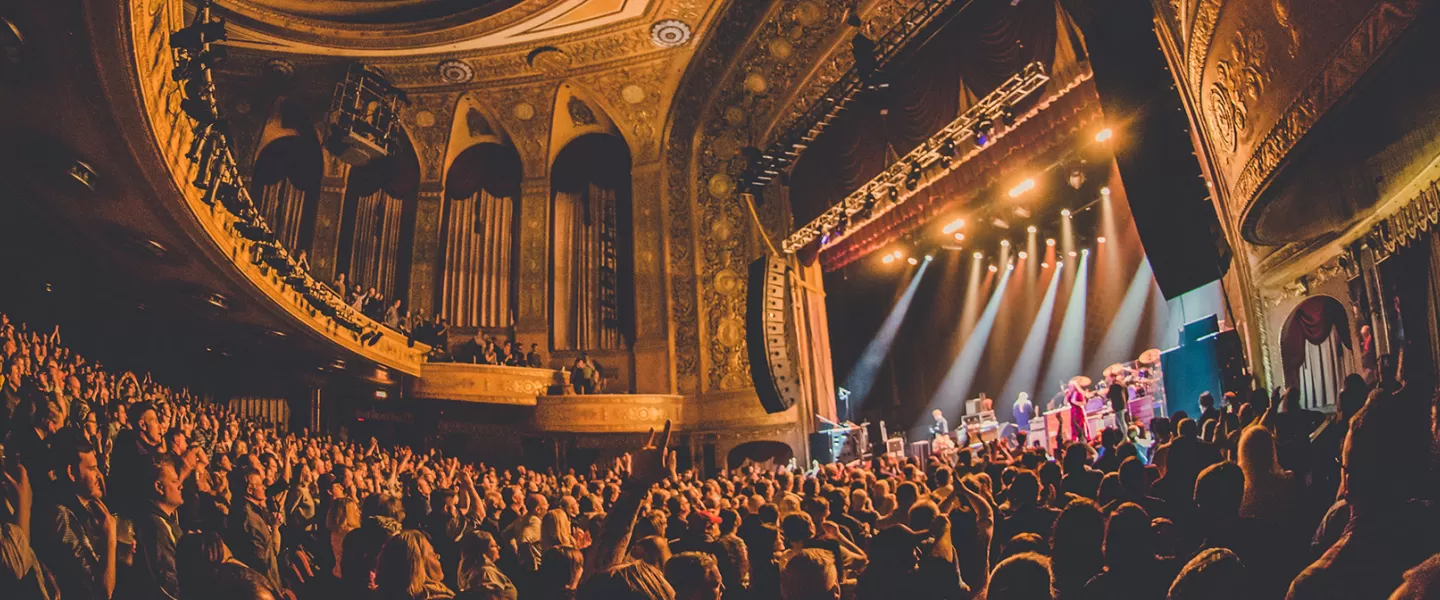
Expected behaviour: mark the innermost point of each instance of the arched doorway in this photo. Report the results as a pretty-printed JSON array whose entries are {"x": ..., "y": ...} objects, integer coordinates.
[
  {"x": 377, "y": 226},
  {"x": 480, "y": 229},
  {"x": 286, "y": 178},
  {"x": 590, "y": 263},
  {"x": 1315, "y": 350}
]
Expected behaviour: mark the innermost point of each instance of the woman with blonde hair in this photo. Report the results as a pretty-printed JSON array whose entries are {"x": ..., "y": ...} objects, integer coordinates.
[
  {"x": 344, "y": 517},
  {"x": 409, "y": 569},
  {"x": 555, "y": 530},
  {"x": 1270, "y": 491}
]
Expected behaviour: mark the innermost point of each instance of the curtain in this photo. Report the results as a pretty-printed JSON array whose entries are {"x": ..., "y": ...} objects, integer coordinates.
[
  {"x": 375, "y": 255},
  {"x": 478, "y": 248},
  {"x": 1311, "y": 322},
  {"x": 282, "y": 205},
  {"x": 586, "y": 311}
]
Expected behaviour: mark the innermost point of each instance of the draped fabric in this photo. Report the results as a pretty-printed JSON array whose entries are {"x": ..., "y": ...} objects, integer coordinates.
[
  {"x": 585, "y": 292},
  {"x": 478, "y": 252},
  {"x": 1312, "y": 322},
  {"x": 375, "y": 254},
  {"x": 282, "y": 205}
]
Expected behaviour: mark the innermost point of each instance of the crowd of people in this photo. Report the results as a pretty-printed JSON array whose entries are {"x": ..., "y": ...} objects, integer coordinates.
[{"x": 118, "y": 487}]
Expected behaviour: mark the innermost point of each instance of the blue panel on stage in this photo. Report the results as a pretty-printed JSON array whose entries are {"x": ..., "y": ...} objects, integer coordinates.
[{"x": 1193, "y": 367}]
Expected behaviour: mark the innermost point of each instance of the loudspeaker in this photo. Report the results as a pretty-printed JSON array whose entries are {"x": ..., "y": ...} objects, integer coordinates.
[
  {"x": 770, "y": 334},
  {"x": 1173, "y": 210},
  {"x": 822, "y": 448}
]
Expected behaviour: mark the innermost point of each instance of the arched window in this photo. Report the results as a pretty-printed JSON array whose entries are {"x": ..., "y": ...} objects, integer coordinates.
[
  {"x": 286, "y": 178},
  {"x": 482, "y": 195},
  {"x": 590, "y": 245},
  {"x": 378, "y": 223},
  {"x": 1314, "y": 347}
]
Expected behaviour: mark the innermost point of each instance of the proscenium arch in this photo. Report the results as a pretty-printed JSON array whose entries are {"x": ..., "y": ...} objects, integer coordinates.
[
  {"x": 480, "y": 232},
  {"x": 1318, "y": 316},
  {"x": 590, "y": 162}
]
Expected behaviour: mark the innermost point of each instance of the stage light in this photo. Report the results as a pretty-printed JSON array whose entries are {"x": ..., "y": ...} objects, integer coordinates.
[
  {"x": 1000, "y": 223},
  {"x": 954, "y": 226},
  {"x": 1022, "y": 187},
  {"x": 912, "y": 261},
  {"x": 1045, "y": 265},
  {"x": 994, "y": 268},
  {"x": 1024, "y": 255},
  {"x": 1071, "y": 253},
  {"x": 979, "y": 255},
  {"x": 984, "y": 132},
  {"x": 1105, "y": 191},
  {"x": 898, "y": 254},
  {"x": 930, "y": 257},
  {"x": 1059, "y": 265},
  {"x": 1065, "y": 212},
  {"x": 1104, "y": 135},
  {"x": 1100, "y": 240},
  {"x": 1049, "y": 241},
  {"x": 1032, "y": 229},
  {"x": 1084, "y": 252},
  {"x": 889, "y": 258},
  {"x": 959, "y": 237},
  {"x": 1010, "y": 267},
  {"x": 1005, "y": 243},
  {"x": 1022, "y": 212}
]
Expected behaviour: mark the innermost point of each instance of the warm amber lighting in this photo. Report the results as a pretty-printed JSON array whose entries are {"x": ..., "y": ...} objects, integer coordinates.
[
  {"x": 994, "y": 268},
  {"x": 1031, "y": 229},
  {"x": 954, "y": 226},
  {"x": 1100, "y": 240},
  {"x": 1050, "y": 242},
  {"x": 959, "y": 237},
  {"x": 1104, "y": 135},
  {"x": 889, "y": 258},
  {"x": 1065, "y": 212},
  {"x": 1022, "y": 187},
  {"x": 912, "y": 261},
  {"x": 1024, "y": 255}
]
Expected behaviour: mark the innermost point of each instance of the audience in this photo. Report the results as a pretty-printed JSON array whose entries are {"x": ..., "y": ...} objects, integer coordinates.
[{"x": 118, "y": 487}]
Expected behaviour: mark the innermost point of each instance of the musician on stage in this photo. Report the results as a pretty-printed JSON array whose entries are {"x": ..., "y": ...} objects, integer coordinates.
[
  {"x": 1075, "y": 397},
  {"x": 1023, "y": 411},
  {"x": 941, "y": 426},
  {"x": 1119, "y": 399}
]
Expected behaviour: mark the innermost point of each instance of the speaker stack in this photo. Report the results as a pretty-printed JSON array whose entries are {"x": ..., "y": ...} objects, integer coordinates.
[
  {"x": 1168, "y": 197},
  {"x": 770, "y": 334}
]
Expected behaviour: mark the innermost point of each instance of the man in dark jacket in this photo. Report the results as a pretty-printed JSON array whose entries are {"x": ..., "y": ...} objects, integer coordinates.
[
  {"x": 152, "y": 573},
  {"x": 75, "y": 535},
  {"x": 254, "y": 532}
]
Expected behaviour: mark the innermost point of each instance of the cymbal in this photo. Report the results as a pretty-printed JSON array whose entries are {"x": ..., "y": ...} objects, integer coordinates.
[
  {"x": 1081, "y": 381},
  {"x": 1114, "y": 370},
  {"x": 1150, "y": 356}
]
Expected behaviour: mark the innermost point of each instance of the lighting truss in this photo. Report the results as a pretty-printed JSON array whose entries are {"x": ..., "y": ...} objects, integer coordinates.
[
  {"x": 921, "y": 167},
  {"x": 765, "y": 165}
]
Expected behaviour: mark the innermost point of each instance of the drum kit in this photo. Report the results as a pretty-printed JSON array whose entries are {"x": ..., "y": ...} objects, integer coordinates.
[{"x": 1140, "y": 374}]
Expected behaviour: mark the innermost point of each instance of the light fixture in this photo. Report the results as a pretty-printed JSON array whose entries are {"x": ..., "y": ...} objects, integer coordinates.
[
  {"x": 1024, "y": 255},
  {"x": 1022, "y": 212},
  {"x": 1100, "y": 240},
  {"x": 994, "y": 268},
  {"x": 889, "y": 258},
  {"x": 984, "y": 132},
  {"x": 979, "y": 255},
  {"x": 1010, "y": 267},
  {"x": 898, "y": 253},
  {"x": 1032, "y": 229},
  {"x": 954, "y": 226},
  {"x": 1050, "y": 241},
  {"x": 1072, "y": 254},
  {"x": 1059, "y": 265},
  {"x": 959, "y": 237},
  {"x": 1022, "y": 187},
  {"x": 912, "y": 261},
  {"x": 1045, "y": 265},
  {"x": 1065, "y": 212},
  {"x": 1105, "y": 191},
  {"x": 930, "y": 257},
  {"x": 1005, "y": 243},
  {"x": 1104, "y": 135},
  {"x": 1085, "y": 252}
]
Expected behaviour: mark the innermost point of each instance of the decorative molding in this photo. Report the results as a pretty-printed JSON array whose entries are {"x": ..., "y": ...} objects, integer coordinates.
[
  {"x": 486, "y": 384},
  {"x": 603, "y": 413},
  {"x": 1366, "y": 43},
  {"x": 1202, "y": 35},
  {"x": 1240, "y": 80}
]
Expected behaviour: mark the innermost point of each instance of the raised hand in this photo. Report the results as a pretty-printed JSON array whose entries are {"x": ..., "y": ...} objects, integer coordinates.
[{"x": 650, "y": 464}]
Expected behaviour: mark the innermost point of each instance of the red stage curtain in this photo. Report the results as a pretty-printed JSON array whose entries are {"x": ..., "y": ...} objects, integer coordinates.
[{"x": 1312, "y": 321}]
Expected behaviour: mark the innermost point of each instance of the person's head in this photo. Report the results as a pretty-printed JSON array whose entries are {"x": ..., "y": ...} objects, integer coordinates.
[
  {"x": 536, "y": 504},
  {"x": 176, "y": 441},
  {"x": 1076, "y": 543},
  {"x": 1128, "y": 538},
  {"x": 1352, "y": 395},
  {"x": 694, "y": 576},
  {"x": 1213, "y": 574},
  {"x": 146, "y": 421},
  {"x": 627, "y": 581},
  {"x": 1207, "y": 400},
  {"x": 255, "y": 487},
  {"x": 895, "y": 550},
  {"x": 561, "y": 568},
  {"x": 810, "y": 575},
  {"x": 555, "y": 529},
  {"x": 1024, "y": 490},
  {"x": 678, "y": 505},
  {"x": 81, "y": 467},
  {"x": 1024, "y": 542},
  {"x": 405, "y": 566},
  {"x": 1257, "y": 452},
  {"x": 477, "y": 550},
  {"x": 1077, "y": 457},
  {"x": 1025, "y": 576},
  {"x": 1110, "y": 488},
  {"x": 1162, "y": 428},
  {"x": 1219, "y": 490},
  {"x": 343, "y": 517},
  {"x": 797, "y": 527},
  {"x": 652, "y": 550},
  {"x": 1187, "y": 428},
  {"x": 906, "y": 494},
  {"x": 164, "y": 483},
  {"x": 937, "y": 414}
]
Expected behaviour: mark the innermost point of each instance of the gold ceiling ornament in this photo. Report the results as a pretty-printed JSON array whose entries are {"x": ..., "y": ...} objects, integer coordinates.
[
  {"x": 670, "y": 33},
  {"x": 523, "y": 111},
  {"x": 549, "y": 59},
  {"x": 632, "y": 94},
  {"x": 455, "y": 71}
]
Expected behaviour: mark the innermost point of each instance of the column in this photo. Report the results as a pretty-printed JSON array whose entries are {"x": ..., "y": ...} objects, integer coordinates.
[
  {"x": 325, "y": 244},
  {"x": 424, "y": 276},
  {"x": 532, "y": 310},
  {"x": 652, "y": 324}
]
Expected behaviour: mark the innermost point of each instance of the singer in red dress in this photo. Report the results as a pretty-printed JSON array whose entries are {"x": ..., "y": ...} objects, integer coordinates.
[{"x": 1076, "y": 399}]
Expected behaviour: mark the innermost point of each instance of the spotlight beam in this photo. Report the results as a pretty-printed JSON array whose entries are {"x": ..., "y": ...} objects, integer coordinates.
[
  {"x": 1067, "y": 354},
  {"x": 862, "y": 377},
  {"x": 1119, "y": 339},
  {"x": 955, "y": 387},
  {"x": 1032, "y": 352}
]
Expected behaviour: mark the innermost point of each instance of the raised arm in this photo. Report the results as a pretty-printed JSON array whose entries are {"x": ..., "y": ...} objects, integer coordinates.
[{"x": 648, "y": 467}]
